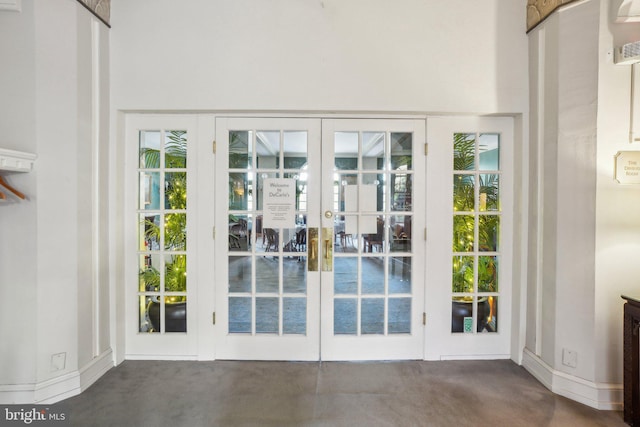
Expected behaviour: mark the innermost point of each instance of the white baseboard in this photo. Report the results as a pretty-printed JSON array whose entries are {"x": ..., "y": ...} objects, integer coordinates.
[
  {"x": 58, "y": 388},
  {"x": 596, "y": 395},
  {"x": 159, "y": 357}
]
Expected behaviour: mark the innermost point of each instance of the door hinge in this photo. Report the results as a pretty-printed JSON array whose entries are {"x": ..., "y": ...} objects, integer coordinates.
[
  {"x": 214, "y": 146},
  {"x": 424, "y": 318},
  {"x": 426, "y": 148},
  {"x": 213, "y": 317}
]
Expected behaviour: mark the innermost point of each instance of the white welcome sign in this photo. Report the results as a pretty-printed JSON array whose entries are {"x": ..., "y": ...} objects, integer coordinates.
[{"x": 279, "y": 203}]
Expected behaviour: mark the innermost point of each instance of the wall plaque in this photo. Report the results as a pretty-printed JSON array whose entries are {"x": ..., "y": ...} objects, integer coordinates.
[{"x": 628, "y": 167}]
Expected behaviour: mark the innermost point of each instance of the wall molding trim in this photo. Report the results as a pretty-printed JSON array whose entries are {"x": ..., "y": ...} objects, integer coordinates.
[
  {"x": 59, "y": 388},
  {"x": 602, "y": 396},
  {"x": 539, "y": 10}
]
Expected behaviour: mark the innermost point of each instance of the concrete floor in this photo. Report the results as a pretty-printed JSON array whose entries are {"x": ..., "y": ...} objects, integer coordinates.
[{"x": 413, "y": 393}]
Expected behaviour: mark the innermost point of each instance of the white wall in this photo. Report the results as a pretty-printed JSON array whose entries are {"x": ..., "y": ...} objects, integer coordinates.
[
  {"x": 450, "y": 56},
  {"x": 584, "y": 226},
  {"x": 61, "y": 284},
  {"x": 18, "y": 279},
  {"x": 618, "y": 207}
]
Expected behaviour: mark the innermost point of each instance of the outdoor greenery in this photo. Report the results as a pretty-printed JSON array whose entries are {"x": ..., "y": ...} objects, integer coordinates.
[
  {"x": 174, "y": 226},
  {"x": 473, "y": 211}
]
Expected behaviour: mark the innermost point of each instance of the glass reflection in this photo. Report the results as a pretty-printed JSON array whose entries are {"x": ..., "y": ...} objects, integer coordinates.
[
  {"x": 149, "y": 197},
  {"x": 240, "y": 227},
  {"x": 373, "y": 150},
  {"x": 346, "y": 150},
  {"x": 373, "y": 275},
  {"x": 240, "y": 317},
  {"x": 345, "y": 275},
  {"x": 267, "y": 315},
  {"x": 488, "y": 274},
  {"x": 401, "y": 192},
  {"x": 399, "y": 316},
  {"x": 267, "y": 274},
  {"x": 400, "y": 275},
  {"x": 294, "y": 316},
  {"x": 268, "y": 149},
  {"x": 401, "y": 151},
  {"x": 239, "y": 274},
  {"x": 149, "y": 149},
  {"x": 372, "y": 319},
  {"x": 295, "y": 149},
  {"x": 345, "y": 316},
  {"x": 489, "y": 148},
  {"x": 240, "y": 149}
]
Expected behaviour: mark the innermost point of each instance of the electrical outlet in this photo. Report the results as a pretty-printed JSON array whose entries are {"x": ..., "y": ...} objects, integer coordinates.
[
  {"x": 569, "y": 358},
  {"x": 58, "y": 361}
]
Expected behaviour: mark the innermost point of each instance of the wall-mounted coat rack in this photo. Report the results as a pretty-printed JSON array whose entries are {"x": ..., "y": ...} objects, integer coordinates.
[{"x": 14, "y": 161}]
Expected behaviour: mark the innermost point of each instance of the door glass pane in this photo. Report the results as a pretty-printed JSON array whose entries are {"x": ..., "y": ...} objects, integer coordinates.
[
  {"x": 239, "y": 274},
  {"x": 345, "y": 228},
  {"x": 345, "y": 193},
  {"x": 373, "y": 275},
  {"x": 240, "y": 227},
  {"x": 373, "y": 151},
  {"x": 489, "y": 226},
  {"x": 175, "y": 232},
  {"x": 270, "y": 241},
  {"x": 240, "y": 149},
  {"x": 147, "y": 310},
  {"x": 301, "y": 189},
  {"x": 372, "y": 229},
  {"x": 462, "y": 315},
  {"x": 345, "y": 316},
  {"x": 464, "y": 151},
  {"x": 175, "y": 314},
  {"x": 345, "y": 275},
  {"x": 489, "y": 197},
  {"x": 372, "y": 193},
  {"x": 400, "y": 275},
  {"x": 149, "y": 232},
  {"x": 488, "y": 314},
  {"x": 294, "y": 279},
  {"x": 489, "y": 149},
  {"x": 488, "y": 274},
  {"x": 175, "y": 190},
  {"x": 372, "y": 316},
  {"x": 260, "y": 191},
  {"x": 464, "y": 193},
  {"x": 239, "y": 185},
  {"x": 463, "y": 233},
  {"x": 294, "y": 316},
  {"x": 346, "y": 150},
  {"x": 401, "y": 151},
  {"x": 295, "y": 149},
  {"x": 149, "y": 196},
  {"x": 175, "y": 149},
  {"x": 401, "y": 192},
  {"x": 267, "y": 274},
  {"x": 149, "y": 149},
  {"x": 268, "y": 149},
  {"x": 463, "y": 274},
  {"x": 400, "y": 233},
  {"x": 267, "y": 315},
  {"x": 149, "y": 278},
  {"x": 240, "y": 315},
  {"x": 175, "y": 273},
  {"x": 399, "y": 315}
]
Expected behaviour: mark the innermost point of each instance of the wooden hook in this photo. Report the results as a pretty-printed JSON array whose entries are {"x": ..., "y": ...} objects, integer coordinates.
[{"x": 6, "y": 185}]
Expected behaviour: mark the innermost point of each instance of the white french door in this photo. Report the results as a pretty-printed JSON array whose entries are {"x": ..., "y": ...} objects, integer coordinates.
[
  {"x": 319, "y": 248},
  {"x": 470, "y": 243}
]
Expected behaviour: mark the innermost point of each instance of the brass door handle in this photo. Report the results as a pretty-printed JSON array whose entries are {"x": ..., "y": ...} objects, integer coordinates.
[{"x": 327, "y": 257}]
